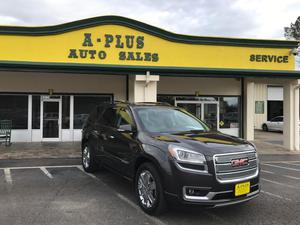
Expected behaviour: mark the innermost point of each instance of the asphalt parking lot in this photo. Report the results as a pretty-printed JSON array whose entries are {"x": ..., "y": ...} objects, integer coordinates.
[{"x": 57, "y": 191}]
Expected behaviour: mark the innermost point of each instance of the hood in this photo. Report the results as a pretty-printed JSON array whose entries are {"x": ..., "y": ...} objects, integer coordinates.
[{"x": 208, "y": 143}]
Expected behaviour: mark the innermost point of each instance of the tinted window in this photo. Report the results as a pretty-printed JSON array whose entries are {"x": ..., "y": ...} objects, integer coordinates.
[
  {"x": 277, "y": 119},
  {"x": 109, "y": 117},
  {"x": 15, "y": 108},
  {"x": 167, "y": 120},
  {"x": 83, "y": 105},
  {"x": 124, "y": 117}
]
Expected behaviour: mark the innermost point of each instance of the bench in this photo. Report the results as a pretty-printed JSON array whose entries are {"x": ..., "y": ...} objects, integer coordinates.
[{"x": 5, "y": 131}]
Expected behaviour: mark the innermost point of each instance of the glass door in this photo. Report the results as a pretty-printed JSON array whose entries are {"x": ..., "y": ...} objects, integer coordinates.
[
  {"x": 192, "y": 108},
  {"x": 205, "y": 110},
  {"x": 210, "y": 115},
  {"x": 51, "y": 119}
]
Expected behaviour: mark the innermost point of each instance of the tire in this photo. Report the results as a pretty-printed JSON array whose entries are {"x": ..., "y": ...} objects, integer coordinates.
[
  {"x": 88, "y": 158},
  {"x": 265, "y": 127},
  {"x": 158, "y": 205}
]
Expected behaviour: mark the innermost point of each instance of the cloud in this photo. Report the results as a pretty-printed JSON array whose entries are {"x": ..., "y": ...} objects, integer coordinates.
[{"x": 236, "y": 18}]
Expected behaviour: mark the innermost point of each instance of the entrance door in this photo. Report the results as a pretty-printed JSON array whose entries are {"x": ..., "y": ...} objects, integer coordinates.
[
  {"x": 51, "y": 119},
  {"x": 205, "y": 110}
]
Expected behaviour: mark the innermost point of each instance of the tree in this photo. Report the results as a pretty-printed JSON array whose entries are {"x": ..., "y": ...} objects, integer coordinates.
[{"x": 293, "y": 32}]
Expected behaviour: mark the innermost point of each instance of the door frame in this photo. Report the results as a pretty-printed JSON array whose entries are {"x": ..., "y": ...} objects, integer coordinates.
[
  {"x": 46, "y": 98},
  {"x": 202, "y": 103}
]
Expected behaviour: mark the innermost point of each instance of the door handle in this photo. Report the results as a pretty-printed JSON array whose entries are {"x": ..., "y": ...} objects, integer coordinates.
[{"x": 111, "y": 136}]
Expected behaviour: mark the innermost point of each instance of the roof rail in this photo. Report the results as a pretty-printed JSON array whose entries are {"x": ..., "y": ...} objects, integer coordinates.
[{"x": 157, "y": 103}]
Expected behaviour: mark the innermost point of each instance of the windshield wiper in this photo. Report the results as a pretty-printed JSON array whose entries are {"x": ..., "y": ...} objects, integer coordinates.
[{"x": 194, "y": 131}]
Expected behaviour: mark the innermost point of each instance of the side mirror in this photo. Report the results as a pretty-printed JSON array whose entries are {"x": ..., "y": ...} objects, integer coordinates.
[{"x": 126, "y": 128}]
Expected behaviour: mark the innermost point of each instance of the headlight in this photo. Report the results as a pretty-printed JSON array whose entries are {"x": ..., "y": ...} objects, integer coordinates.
[{"x": 186, "y": 156}]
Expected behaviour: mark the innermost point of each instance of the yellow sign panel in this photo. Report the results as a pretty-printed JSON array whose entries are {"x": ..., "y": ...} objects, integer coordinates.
[{"x": 120, "y": 45}]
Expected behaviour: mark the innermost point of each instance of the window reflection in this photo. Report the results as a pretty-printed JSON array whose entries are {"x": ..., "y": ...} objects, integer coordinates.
[
  {"x": 83, "y": 105},
  {"x": 15, "y": 108},
  {"x": 229, "y": 112}
]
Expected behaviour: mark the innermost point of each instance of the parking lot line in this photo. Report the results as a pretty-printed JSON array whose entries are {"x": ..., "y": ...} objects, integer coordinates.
[
  {"x": 36, "y": 167},
  {"x": 282, "y": 162},
  {"x": 291, "y": 177},
  {"x": 122, "y": 197},
  {"x": 8, "y": 176},
  {"x": 46, "y": 172},
  {"x": 274, "y": 195},
  {"x": 282, "y": 184},
  {"x": 281, "y": 167},
  {"x": 291, "y": 163},
  {"x": 266, "y": 171}
]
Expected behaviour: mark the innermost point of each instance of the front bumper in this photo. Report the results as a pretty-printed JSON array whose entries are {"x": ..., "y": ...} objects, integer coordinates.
[
  {"x": 221, "y": 198},
  {"x": 210, "y": 192}
]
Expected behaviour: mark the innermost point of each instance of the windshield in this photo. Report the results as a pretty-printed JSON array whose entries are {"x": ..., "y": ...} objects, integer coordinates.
[{"x": 168, "y": 120}]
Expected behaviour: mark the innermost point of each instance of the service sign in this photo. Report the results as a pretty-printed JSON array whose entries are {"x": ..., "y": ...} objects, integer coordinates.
[{"x": 118, "y": 45}]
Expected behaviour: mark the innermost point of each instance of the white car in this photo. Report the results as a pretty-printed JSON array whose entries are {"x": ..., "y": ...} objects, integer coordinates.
[{"x": 274, "y": 124}]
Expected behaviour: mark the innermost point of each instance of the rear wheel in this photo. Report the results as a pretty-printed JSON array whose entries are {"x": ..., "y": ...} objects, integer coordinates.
[
  {"x": 265, "y": 127},
  {"x": 149, "y": 190},
  {"x": 89, "y": 162}
]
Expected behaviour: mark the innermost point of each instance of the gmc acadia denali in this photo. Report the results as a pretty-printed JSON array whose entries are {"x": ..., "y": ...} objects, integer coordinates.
[{"x": 169, "y": 155}]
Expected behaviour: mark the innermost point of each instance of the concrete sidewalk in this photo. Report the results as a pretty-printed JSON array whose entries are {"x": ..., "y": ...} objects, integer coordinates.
[{"x": 40, "y": 150}]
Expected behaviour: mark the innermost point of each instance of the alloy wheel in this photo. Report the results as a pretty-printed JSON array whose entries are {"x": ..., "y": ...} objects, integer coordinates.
[
  {"x": 86, "y": 157},
  {"x": 147, "y": 190}
]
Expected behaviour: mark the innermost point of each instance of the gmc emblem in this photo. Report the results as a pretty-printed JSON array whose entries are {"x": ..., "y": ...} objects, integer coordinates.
[{"x": 239, "y": 162}]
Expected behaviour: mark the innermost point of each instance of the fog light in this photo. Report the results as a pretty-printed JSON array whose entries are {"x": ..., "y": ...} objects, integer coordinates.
[{"x": 194, "y": 191}]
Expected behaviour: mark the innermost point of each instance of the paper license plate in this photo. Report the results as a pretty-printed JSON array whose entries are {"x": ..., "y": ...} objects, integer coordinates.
[{"x": 242, "y": 188}]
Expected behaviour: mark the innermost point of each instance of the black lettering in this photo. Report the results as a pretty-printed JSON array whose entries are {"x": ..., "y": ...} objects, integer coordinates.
[
  {"x": 280, "y": 59},
  {"x": 264, "y": 58},
  {"x": 87, "y": 40},
  {"x": 138, "y": 56},
  {"x": 271, "y": 58},
  {"x": 285, "y": 59},
  {"x": 140, "y": 42},
  {"x": 119, "y": 43},
  {"x": 92, "y": 54},
  {"x": 258, "y": 58},
  {"x": 129, "y": 41},
  {"x": 108, "y": 40},
  {"x": 73, "y": 54},
  {"x": 147, "y": 56},
  {"x": 83, "y": 53},
  {"x": 122, "y": 55},
  {"x": 130, "y": 56},
  {"x": 102, "y": 54},
  {"x": 155, "y": 57},
  {"x": 252, "y": 58}
]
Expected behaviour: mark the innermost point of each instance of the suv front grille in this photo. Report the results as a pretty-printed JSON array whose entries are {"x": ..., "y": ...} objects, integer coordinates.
[{"x": 226, "y": 172}]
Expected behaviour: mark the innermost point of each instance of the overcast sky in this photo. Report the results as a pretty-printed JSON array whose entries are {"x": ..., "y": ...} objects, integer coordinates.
[{"x": 233, "y": 18}]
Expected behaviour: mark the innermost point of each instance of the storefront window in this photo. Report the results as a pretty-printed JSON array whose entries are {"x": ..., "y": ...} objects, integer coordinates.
[
  {"x": 14, "y": 108},
  {"x": 65, "y": 112},
  {"x": 83, "y": 105},
  {"x": 36, "y": 113},
  {"x": 229, "y": 112}
]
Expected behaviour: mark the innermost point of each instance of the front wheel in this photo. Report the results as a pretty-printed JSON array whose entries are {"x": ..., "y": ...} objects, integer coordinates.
[
  {"x": 89, "y": 162},
  {"x": 265, "y": 127},
  {"x": 149, "y": 190}
]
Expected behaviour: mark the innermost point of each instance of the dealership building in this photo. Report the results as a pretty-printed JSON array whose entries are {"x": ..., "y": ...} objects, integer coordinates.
[{"x": 52, "y": 77}]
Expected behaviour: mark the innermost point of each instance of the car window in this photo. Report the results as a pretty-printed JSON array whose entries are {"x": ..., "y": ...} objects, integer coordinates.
[
  {"x": 123, "y": 117},
  {"x": 277, "y": 119},
  {"x": 168, "y": 120},
  {"x": 109, "y": 117}
]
